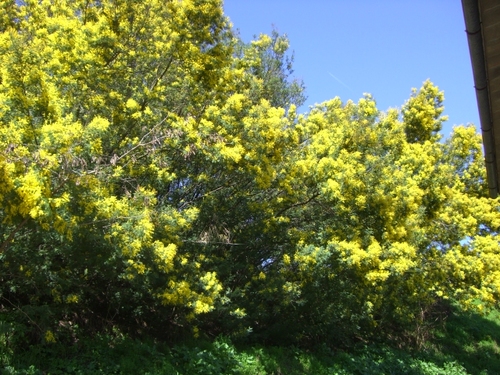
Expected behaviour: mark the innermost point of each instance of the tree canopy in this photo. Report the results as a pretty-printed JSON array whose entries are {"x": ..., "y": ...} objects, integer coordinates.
[{"x": 155, "y": 176}]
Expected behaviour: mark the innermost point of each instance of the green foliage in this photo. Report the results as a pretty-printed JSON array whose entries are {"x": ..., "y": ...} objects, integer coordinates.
[
  {"x": 465, "y": 344},
  {"x": 94, "y": 89},
  {"x": 156, "y": 178},
  {"x": 270, "y": 68},
  {"x": 422, "y": 113},
  {"x": 472, "y": 338}
]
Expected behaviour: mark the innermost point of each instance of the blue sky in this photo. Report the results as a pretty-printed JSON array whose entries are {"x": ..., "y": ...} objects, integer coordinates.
[{"x": 383, "y": 47}]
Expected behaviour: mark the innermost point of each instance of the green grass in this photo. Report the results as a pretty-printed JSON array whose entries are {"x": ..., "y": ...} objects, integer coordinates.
[
  {"x": 471, "y": 339},
  {"x": 466, "y": 344}
]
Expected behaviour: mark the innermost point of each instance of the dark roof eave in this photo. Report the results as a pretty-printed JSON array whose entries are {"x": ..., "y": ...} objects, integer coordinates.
[{"x": 476, "y": 49}]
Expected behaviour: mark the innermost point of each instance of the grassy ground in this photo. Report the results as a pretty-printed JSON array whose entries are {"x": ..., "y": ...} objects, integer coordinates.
[{"x": 466, "y": 344}]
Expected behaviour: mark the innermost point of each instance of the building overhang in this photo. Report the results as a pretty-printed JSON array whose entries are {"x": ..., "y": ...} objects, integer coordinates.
[{"x": 482, "y": 22}]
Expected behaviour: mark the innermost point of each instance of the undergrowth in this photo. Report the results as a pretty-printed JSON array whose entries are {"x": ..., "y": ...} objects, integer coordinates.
[{"x": 466, "y": 344}]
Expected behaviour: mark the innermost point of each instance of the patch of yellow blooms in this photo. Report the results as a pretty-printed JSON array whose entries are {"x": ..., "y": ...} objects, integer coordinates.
[{"x": 128, "y": 121}]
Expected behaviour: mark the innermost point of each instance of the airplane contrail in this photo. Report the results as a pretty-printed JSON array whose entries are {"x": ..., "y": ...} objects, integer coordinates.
[{"x": 339, "y": 81}]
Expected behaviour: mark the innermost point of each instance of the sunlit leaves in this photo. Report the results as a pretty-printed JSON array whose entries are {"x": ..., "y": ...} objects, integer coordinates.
[
  {"x": 93, "y": 99},
  {"x": 422, "y": 113},
  {"x": 154, "y": 172}
]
